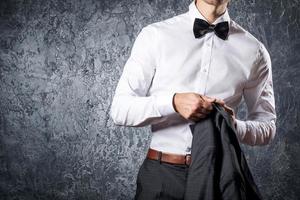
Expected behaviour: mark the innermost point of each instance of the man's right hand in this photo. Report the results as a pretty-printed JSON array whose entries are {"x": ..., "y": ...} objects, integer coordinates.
[{"x": 194, "y": 106}]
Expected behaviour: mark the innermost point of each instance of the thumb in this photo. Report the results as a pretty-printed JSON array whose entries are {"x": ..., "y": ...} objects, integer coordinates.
[
  {"x": 213, "y": 99},
  {"x": 209, "y": 99}
]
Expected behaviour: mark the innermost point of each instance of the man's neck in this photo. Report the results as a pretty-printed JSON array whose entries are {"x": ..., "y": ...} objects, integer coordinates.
[{"x": 209, "y": 11}]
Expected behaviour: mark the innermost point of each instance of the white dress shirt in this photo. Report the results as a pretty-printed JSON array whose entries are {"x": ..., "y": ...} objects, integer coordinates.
[{"x": 167, "y": 58}]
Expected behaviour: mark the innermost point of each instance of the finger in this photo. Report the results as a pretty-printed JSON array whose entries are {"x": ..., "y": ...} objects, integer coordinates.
[
  {"x": 214, "y": 99},
  {"x": 228, "y": 109},
  {"x": 202, "y": 98},
  {"x": 203, "y": 106},
  {"x": 199, "y": 115},
  {"x": 207, "y": 106},
  {"x": 203, "y": 110},
  {"x": 220, "y": 101},
  {"x": 209, "y": 99}
]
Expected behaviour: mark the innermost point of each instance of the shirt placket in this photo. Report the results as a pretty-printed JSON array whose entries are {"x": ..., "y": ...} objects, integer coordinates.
[
  {"x": 206, "y": 62},
  {"x": 206, "y": 54}
]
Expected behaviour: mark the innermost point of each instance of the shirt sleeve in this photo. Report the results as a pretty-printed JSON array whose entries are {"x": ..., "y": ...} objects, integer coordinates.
[
  {"x": 131, "y": 104},
  {"x": 259, "y": 128}
]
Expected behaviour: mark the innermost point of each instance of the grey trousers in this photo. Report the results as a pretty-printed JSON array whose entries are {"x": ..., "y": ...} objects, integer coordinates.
[{"x": 159, "y": 180}]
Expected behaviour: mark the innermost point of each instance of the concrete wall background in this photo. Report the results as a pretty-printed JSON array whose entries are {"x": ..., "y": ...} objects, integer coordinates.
[{"x": 59, "y": 65}]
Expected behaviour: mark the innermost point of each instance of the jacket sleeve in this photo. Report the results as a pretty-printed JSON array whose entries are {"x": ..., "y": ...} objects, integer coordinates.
[
  {"x": 259, "y": 128},
  {"x": 131, "y": 104}
]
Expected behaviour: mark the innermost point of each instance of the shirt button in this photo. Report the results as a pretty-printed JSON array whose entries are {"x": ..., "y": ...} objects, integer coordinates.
[{"x": 204, "y": 70}]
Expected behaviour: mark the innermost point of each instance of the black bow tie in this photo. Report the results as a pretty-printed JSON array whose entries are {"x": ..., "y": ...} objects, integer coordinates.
[{"x": 201, "y": 27}]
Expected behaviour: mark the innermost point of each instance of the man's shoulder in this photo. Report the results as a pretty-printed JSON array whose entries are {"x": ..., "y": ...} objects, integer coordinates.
[
  {"x": 253, "y": 45},
  {"x": 240, "y": 33},
  {"x": 171, "y": 23}
]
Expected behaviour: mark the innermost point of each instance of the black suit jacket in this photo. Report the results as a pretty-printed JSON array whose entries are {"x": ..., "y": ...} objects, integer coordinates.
[{"x": 218, "y": 169}]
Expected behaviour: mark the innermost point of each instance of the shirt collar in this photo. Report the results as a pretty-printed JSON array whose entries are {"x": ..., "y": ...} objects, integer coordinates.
[{"x": 195, "y": 13}]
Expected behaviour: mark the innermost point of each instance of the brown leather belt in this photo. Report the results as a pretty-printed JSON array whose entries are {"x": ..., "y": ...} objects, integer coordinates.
[{"x": 168, "y": 157}]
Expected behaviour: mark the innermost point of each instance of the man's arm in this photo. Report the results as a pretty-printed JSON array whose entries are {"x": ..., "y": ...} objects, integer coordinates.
[
  {"x": 259, "y": 127},
  {"x": 130, "y": 105}
]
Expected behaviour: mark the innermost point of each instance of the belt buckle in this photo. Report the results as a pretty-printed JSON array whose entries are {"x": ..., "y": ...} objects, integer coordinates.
[{"x": 188, "y": 159}]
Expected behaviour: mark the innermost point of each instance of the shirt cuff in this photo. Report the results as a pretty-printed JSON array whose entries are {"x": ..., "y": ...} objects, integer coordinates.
[
  {"x": 241, "y": 128},
  {"x": 164, "y": 104}
]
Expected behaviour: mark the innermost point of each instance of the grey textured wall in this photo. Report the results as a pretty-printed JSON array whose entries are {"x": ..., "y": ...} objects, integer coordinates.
[{"x": 59, "y": 65}]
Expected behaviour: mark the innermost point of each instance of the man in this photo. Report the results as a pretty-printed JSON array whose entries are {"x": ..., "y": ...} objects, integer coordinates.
[{"x": 176, "y": 69}]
